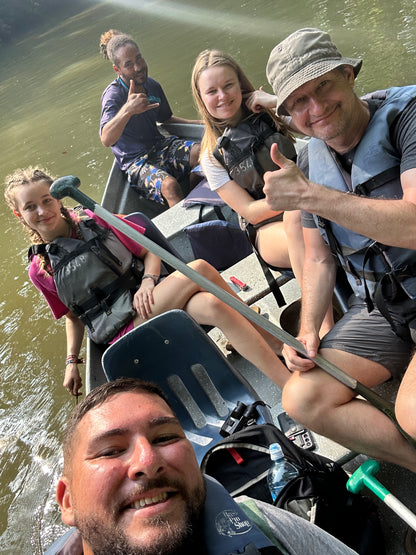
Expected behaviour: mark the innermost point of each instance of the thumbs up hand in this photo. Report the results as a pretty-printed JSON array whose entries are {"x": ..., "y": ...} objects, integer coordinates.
[{"x": 284, "y": 188}]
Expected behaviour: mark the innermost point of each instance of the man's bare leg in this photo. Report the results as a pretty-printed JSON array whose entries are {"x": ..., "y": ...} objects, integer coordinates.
[
  {"x": 171, "y": 190},
  {"x": 323, "y": 404},
  {"x": 406, "y": 400},
  {"x": 194, "y": 155}
]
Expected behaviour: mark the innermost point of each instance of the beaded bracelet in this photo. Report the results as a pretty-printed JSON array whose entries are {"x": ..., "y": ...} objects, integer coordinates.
[
  {"x": 73, "y": 359},
  {"x": 154, "y": 277}
]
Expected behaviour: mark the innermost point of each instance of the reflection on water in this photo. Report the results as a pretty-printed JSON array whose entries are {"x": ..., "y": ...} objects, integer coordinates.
[{"x": 50, "y": 92}]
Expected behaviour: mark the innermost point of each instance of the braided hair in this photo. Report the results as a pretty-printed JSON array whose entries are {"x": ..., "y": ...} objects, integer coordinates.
[{"x": 27, "y": 176}]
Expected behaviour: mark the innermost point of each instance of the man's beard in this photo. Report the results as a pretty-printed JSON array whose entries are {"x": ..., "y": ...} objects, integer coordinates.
[{"x": 173, "y": 539}]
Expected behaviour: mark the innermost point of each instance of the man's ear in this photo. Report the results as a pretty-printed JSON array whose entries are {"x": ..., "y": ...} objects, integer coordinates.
[
  {"x": 64, "y": 498},
  {"x": 349, "y": 74},
  {"x": 116, "y": 69},
  {"x": 17, "y": 214}
]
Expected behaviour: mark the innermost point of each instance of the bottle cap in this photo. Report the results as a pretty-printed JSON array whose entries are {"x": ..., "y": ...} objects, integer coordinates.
[{"x": 275, "y": 451}]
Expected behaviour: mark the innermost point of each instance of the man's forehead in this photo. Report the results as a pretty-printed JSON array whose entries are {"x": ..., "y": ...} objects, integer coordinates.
[
  {"x": 128, "y": 51},
  {"x": 311, "y": 85},
  {"x": 131, "y": 406},
  {"x": 313, "y": 82},
  {"x": 131, "y": 50}
]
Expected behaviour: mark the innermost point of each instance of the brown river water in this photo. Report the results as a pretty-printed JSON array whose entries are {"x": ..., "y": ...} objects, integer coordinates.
[{"x": 51, "y": 81}]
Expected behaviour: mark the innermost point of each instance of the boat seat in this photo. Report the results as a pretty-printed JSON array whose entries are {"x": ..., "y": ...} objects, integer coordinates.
[
  {"x": 203, "y": 388},
  {"x": 173, "y": 222},
  {"x": 120, "y": 197}
]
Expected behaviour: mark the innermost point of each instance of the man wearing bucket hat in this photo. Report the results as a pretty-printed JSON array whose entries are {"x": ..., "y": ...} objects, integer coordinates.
[{"x": 355, "y": 184}]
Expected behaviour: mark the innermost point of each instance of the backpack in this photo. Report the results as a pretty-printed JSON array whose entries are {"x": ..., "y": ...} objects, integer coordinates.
[
  {"x": 220, "y": 242},
  {"x": 240, "y": 462}
]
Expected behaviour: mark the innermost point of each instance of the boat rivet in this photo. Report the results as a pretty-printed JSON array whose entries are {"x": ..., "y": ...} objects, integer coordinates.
[
  {"x": 166, "y": 341},
  {"x": 136, "y": 361}
]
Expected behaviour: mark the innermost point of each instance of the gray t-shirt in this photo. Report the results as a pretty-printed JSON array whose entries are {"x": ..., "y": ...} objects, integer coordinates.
[{"x": 295, "y": 534}]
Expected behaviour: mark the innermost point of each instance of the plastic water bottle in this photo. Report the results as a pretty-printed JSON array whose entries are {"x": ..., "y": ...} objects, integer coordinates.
[{"x": 280, "y": 472}]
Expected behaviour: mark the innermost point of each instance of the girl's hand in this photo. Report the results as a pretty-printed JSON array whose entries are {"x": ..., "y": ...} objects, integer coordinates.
[
  {"x": 143, "y": 299},
  {"x": 260, "y": 99},
  {"x": 72, "y": 380}
]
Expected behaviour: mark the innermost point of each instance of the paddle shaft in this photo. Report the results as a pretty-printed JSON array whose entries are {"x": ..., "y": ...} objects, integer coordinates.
[{"x": 67, "y": 186}]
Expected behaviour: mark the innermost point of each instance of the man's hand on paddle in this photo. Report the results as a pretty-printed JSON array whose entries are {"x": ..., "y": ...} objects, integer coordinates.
[
  {"x": 296, "y": 361},
  {"x": 138, "y": 103},
  {"x": 284, "y": 188}
]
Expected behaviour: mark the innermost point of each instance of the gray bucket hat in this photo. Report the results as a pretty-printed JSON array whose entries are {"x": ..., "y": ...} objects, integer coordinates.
[{"x": 301, "y": 57}]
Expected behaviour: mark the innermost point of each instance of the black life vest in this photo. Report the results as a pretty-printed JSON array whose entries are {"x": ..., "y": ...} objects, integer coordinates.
[
  {"x": 94, "y": 278},
  {"x": 244, "y": 151}
]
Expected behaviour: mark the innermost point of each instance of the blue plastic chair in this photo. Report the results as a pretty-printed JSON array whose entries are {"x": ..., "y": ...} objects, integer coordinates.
[{"x": 202, "y": 387}]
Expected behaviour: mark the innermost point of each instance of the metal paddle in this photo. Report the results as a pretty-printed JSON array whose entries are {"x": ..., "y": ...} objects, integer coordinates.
[{"x": 68, "y": 186}]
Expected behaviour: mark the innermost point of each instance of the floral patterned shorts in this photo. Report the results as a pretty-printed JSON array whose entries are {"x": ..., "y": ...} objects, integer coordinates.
[{"x": 169, "y": 157}]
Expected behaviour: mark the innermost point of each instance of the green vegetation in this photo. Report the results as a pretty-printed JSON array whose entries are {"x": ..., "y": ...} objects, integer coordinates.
[{"x": 18, "y": 16}]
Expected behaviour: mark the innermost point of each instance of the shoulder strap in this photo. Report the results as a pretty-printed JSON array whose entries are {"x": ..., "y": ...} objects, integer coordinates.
[
  {"x": 218, "y": 156},
  {"x": 364, "y": 189},
  {"x": 274, "y": 288},
  {"x": 89, "y": 223},
  {"x": 34, "y": 250}
]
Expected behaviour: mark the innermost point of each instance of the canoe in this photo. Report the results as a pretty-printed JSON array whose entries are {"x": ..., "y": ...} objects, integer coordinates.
[{"x": 120, "y": 198}]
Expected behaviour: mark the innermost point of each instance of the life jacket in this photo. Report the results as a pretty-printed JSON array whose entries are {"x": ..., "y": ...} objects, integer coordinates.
[
  {"x": 375, "y": 174},
  {"x": 94, "y": 278},
  {"x": 244, "y": 151},
  {"x": 227, "y": 529}
]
